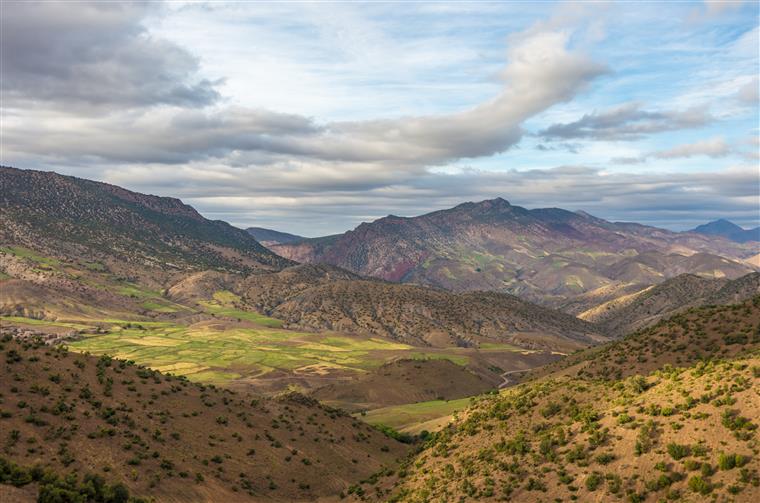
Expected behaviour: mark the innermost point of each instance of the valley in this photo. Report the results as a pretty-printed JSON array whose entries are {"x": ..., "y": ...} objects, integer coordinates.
[{"x": 185, "y": 337}]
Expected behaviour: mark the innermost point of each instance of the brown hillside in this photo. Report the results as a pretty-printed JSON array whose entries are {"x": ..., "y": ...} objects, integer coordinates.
[
  {"x": 547, "y": 255},
  {"x": 404, "y": 381},
  {"x": 628, "y": 313},
  {"x": 696, "y": 334},
  {"x": 174, "y": 441},
  {"x": 71, "y": 217},
  {"x": 678, "y": 435},
  {"x": 426, "y": 316}
]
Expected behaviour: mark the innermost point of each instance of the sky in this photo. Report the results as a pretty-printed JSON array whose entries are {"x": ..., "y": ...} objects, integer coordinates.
[{"x": 312, "y": 117}]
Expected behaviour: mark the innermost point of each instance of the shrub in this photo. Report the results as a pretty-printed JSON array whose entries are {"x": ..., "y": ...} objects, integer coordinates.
[
  {"x": 699, "y": 485},
  {"x": 593, "y": 481},
  {"x": 677, "y": 451},
  {"x": 605, "y": 458}
]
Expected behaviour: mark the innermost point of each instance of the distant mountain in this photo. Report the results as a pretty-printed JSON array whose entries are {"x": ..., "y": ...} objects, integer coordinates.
[
  {"x": 546, "y": 255},
  {"x": 69, "y": 216},
  {"x": 728, "y": 230},
  {"x": 269, "y": 237}
]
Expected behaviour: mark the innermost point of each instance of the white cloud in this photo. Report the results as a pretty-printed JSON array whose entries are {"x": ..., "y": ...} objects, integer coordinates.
[
  {"x": 749, "y": 93},
  {"x": 713, "y": 147}
]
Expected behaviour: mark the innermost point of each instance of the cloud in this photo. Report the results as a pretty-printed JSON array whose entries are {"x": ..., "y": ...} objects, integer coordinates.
[
  {"x": 749, "y": 93},
  {"x": 627, "y": 122},
  {"x": 714, "y": 147},
  {"x": 91, "y": 55},
  {"x": 540, "y": 73}
]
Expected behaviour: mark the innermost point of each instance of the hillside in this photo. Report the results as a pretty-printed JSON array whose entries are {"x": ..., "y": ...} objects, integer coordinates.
[
  {"x": 546, "y": 255},
  {"x": 644, "y": 308},
  {"x": 680, "y": 434},
  {"x": 309, "y": 297},
  {"x": 165, "y": 438},
  {"x": 593, "y": 428},
  {"x": 70, "y": 217},
  {"x": 404, "y": 381},
  {"x": 728, "y": 230},
  {"x": 425, "y": 316},
  {"x": 683, "y": 339}
]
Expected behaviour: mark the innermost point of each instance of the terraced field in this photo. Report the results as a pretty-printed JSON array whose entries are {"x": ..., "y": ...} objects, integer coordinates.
[{"x": 219, "y": 351}]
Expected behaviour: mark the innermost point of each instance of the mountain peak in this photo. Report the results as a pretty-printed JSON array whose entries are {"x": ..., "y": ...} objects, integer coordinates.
[
  {"x": 728, "y": 230},
  {"x": 717, "y": 227}
]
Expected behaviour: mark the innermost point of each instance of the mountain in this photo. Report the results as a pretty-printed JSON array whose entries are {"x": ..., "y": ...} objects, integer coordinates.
[
  {"x": 71, "y": 217},
  {"x": 630, "y": 312},
  {"x": 728, "y": 230},
  {"x": 269, "y": 237},
  {"x": 685, "y": 432},
  {"x": 162, "y": 438},
  {"x": 328, "y": 298},
  {"x": 546, "y": 255}
]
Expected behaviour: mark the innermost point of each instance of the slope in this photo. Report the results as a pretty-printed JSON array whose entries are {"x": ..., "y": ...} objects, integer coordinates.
[
  {"x": 269, "y": 237},
  {"x": 69, "y": 217},
  {"x": 593, "y": 428},
  {"x": 648, "y": 306},
  {"x": 165, "y": 438}
]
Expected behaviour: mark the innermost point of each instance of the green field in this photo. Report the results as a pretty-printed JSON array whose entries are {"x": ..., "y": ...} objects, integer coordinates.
[
  {"x": 205, "y": 353},
  {"x": 414, "y": 417}
]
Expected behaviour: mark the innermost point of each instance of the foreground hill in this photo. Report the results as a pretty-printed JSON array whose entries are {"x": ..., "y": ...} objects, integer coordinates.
[
  {"x": 65, "y": 216},
  {"x": 680, "y": 434},
  {"x": 592, "y": 428},
  {"x": 164, "y": 438},
  {"x": 645, "y": 307},
  {"x": 546, "y": 255}
]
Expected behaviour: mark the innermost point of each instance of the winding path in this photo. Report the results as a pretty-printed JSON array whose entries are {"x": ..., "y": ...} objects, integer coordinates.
[{"x": 510, "y": 372}]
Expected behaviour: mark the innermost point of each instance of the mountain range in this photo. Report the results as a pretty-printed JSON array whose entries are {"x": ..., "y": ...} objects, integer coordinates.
[{"x": 549, "y": 256}]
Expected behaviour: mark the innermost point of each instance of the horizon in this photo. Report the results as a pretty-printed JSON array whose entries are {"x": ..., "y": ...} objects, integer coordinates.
[{"x": 312, "y": 118}]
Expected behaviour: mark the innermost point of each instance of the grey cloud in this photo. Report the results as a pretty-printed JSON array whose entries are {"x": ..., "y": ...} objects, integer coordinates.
[
  {"x": 541, "y": 72},
  {"x": 627, "y": 122},
  {"x": 94, "y": 55}
]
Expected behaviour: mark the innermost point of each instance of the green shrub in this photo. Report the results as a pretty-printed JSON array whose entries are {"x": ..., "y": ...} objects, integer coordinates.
[
  {"x": 699, "y": 485},
  {"x": 593, "y": 481},
  {"x": 677, "y": 451}
]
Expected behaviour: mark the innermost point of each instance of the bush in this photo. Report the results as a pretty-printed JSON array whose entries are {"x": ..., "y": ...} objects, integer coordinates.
[
  {"x": 677, "y": 451},
  {"x": 699, "y": 485},
  {"x": 593, "y": 481}
]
